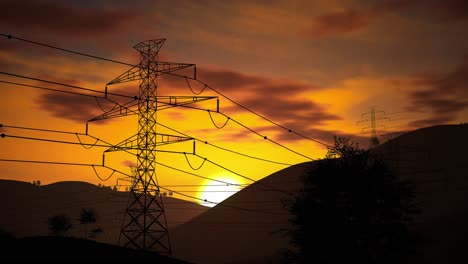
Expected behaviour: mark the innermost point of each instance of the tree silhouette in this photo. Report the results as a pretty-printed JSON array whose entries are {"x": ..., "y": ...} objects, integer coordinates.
[
  {"x": 95, "y": 232},
  {"x": 37, "y": 183},
  {"x": 59, "y": 224},
  {"x": 87, "y": 216},
  {"x": 352, "y": 209}
]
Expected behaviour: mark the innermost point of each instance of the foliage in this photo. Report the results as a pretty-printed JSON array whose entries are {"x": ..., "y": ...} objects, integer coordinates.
[
  {"x": 95, "y": 232},
  {"x": 352, "y": 209},
  {"x": 37, "y": 183},
  {"x": 87, "y": 216},
  {"x": 59, "y": 224},
  {"x": 343, "y": 149}
]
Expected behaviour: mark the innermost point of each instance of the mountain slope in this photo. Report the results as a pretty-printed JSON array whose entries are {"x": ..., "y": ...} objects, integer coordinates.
[
  {"x": 245, "y": 227},
  {"x": 434, "y": 158},
  {"x": 67, "y": 249},
  {"x": 26, "y": 208}
]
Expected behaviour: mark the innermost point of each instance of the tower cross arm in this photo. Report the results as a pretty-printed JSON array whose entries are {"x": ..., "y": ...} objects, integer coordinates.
[
  {"x": 157, "y": 68},
  {"x": 160, "y": 139}
]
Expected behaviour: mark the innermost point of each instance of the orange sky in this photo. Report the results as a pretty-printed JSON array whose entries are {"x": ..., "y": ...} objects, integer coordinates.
[{"x": 311, "y": 66}]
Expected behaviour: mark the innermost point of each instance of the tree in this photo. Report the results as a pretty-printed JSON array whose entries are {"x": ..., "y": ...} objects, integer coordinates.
[
  {"x": 95, "y": 232},
  {"x": 87, "y": 216},
  {"x": 59, "y": 224},
  {"x": 352, "y": 209},
  {"x": 37, "y": 183}
]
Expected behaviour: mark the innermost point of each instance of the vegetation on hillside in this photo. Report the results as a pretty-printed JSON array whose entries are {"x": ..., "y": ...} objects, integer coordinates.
[{"x": 352, "y": 209}]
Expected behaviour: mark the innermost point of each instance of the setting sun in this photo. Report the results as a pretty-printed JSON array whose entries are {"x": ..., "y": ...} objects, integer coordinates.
[{"x": 214, "y": 192}]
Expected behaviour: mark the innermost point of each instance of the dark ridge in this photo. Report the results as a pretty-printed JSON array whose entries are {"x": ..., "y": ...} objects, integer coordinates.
[{"x": 68, "y": 249}]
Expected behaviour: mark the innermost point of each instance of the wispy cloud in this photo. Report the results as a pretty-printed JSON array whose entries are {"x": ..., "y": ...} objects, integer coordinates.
[
  {"x": 353, "y": 19},
  {"x": 443, "y": 94},
  {"x": 63, "y": 17},
  {"x": 129, "y": 163}
]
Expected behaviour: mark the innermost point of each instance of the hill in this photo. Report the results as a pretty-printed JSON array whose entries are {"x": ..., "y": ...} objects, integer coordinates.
[
  {"x": 434, "y": 158},
  {"x": 67, "y": 249},
  {"x": 247, "y": 227},
  {"x": 25, "y": 208}
]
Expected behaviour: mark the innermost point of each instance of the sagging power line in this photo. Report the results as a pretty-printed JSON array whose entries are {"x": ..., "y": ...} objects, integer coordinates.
[{"x": 145, "y": 226}]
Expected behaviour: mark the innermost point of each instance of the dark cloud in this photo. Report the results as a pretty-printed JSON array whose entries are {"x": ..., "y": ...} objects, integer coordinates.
[
  {"x": 129, "y": 163},
  {"x": 278, "y": 99},
  {"x": 436, "y": 10},
  {"x": 282, "y": 101},
  {"x": 349, "y": 20},
  {"x": 75, "y": 107},
  {"x": 437, "y": 120},
  {"x": 63, "y": 17},
  {"x": 285, "y": 109},
  {"x": 445, "y": 95},
  {"x": 444, "y": 11},
  {"x": 220, "y": 79},
  {"x": 72, "y": 107},
  {"x": 337, "y": 23}
]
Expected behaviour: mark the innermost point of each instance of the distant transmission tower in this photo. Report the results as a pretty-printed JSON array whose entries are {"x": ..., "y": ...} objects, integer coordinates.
[
  {"x": 372, "y": 119},
  {"x": 145, "y": 225}
]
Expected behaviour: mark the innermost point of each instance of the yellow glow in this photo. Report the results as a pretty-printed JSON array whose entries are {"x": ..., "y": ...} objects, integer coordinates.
[{"x": 214, "y": 192}]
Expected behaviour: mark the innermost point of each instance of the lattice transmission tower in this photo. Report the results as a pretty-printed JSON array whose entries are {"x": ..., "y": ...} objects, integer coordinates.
[
  {"x": 373, "y": 119},
  {"x": 145, "y": 224}
]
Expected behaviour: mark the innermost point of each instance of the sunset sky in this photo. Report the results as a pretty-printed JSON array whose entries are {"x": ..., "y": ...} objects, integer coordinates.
[{"x": 311, "y": 66}]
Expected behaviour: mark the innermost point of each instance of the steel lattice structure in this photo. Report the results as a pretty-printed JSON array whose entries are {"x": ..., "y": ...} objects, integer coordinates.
[
  {"x": 373, "y": 117},
  {"x": 145, "y": 224}
]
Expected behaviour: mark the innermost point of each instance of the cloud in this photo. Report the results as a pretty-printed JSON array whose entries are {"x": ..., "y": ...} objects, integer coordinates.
[
  {"x": 129, "y": 163},
  {"x": 448, "y": 11},
  {"x": 444, "y": 95},
  {"x": 337, "y": 23},
  {"x": 349, "y": 20},
  {"x": 300, "y": 112},
  {"x": 63, "y": 17},
  {"x": 72, "y": 107},
  {"x": 222, "y": 79},
  {"x": 281, "y": 100}
]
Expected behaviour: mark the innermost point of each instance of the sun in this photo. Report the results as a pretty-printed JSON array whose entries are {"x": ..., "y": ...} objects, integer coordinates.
[{"x": 215, "y": 191}]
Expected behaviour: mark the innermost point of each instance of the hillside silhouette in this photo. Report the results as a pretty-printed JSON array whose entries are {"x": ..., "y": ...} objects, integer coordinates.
[
  {"x": 250, "y": 226},
  {"x": 67, "y": 249},
  {"x": 27, "y": 207},
  {"x": 433, "y": 158}
]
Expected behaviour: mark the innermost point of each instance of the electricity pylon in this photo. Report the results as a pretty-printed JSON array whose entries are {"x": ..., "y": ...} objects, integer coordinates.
[
  {"x": 373, "y": 117},
  {"x": 145, "y": 224}
]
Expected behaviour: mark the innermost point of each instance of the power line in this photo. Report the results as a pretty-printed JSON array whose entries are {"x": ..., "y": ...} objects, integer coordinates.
[
  {"x": 196, "y": 175},
  {"x": 206, "y": 201},
  {"x": 66, "y": 50},
  {"x": 42, "y": 130},
  {"x": 242, "y": 176},
  {"x": 227, "y": 169},
  {"x": 226, "y": 149},
  {"x": 63, "y": 84},
  {"x": 52, "y": 162},
  {"x": 45, "y": 88},
  {"x": 3, "y": 135},
  {"x": 259, "y": 115},
  {"x": 109, "y": 145},
  {"x": 170, "y": 73},
  {"x": 253, "y": 131}
]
